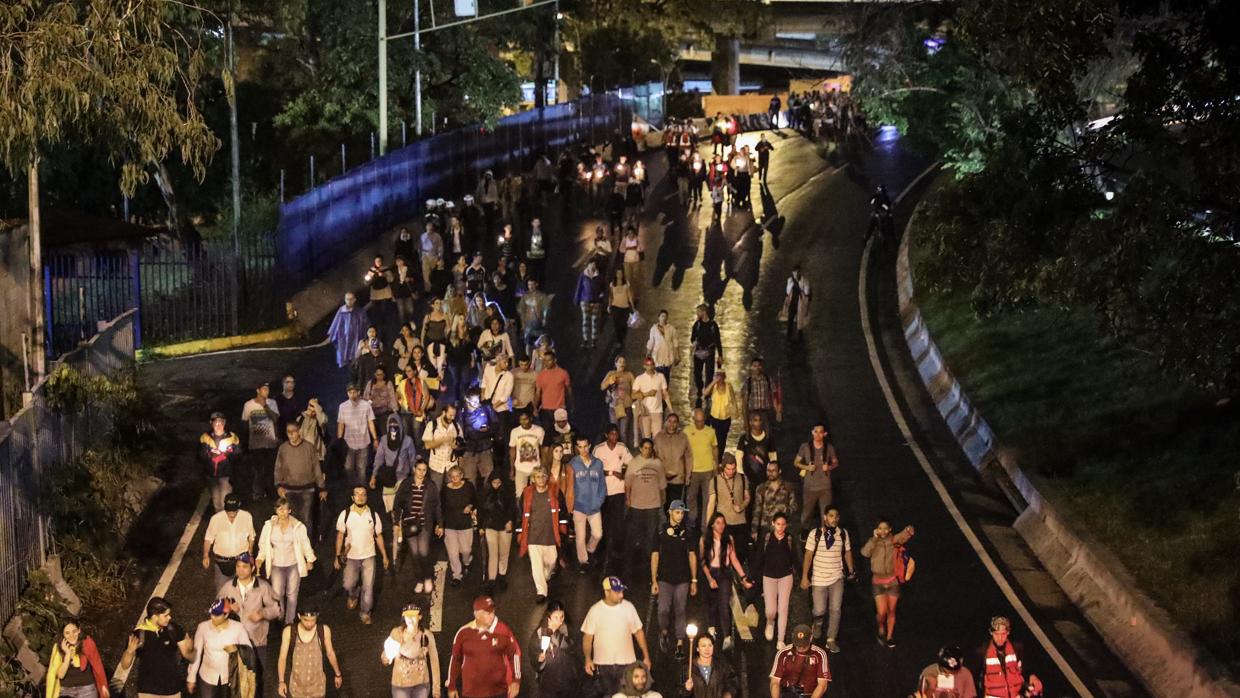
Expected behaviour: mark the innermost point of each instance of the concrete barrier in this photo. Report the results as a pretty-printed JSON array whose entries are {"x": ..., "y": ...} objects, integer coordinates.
[{"x": 1141, "y": 633}]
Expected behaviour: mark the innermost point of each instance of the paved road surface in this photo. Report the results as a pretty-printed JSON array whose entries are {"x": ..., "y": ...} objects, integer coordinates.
[{"x": 812, "y": 213}]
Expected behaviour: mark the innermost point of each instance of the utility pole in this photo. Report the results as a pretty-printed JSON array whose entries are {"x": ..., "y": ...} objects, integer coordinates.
[
  {"x": 231, "y": 58},
  {"x": 38, "y": 351},
  {"x": 383, "y": 108}
]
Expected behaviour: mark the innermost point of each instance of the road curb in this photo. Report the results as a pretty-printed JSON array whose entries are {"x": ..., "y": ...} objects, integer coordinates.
[{"x": 1141, "y": 633}]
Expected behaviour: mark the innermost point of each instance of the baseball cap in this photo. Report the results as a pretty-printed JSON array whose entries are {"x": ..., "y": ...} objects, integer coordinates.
[
  {"x": 263, "y": 384},
  {"x": 232, "y": 503},
  {"x": 246, "y": 558},
  {"x": 802, "y": 636},
  {"x": 484, "y": 603},
  {"x": 561, "y": 415},
  {"x": 218, "y": 607},
  {"x": 613, "y": 584},
  {"x": 217, "y": 415},
  {"x": 677, "y": 505}
]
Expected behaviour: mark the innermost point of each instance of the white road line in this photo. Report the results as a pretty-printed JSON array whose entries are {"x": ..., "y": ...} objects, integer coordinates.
[
  {"x": 120, "y": 676},
  {"x": 441, "y": 575},
  {"x": 941, "y": 489},
  {"x": 738, "y": 618}
]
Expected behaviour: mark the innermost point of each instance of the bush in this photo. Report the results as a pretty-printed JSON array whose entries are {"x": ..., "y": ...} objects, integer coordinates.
[{"x": 69, "y": 391}]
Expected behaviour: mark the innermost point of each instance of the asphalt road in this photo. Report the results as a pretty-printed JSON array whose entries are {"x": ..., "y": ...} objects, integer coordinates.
[{"x": 811, "y": 212}]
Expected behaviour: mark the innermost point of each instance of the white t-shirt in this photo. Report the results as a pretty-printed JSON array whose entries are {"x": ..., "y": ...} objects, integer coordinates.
[
  {"x": 360, "y": 530},
  {"x": 527, "y": 442},
  {"x": 645, "y": 383},
  {"x": 612, "y": 628},
  {"x": 614, "y": 461}
]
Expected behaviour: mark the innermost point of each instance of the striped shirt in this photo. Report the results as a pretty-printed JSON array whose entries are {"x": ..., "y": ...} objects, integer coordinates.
[{"x": 828, "y": 561}]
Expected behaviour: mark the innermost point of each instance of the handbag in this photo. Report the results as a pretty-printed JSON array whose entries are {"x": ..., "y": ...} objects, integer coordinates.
[{"x": 635, "y": 319}]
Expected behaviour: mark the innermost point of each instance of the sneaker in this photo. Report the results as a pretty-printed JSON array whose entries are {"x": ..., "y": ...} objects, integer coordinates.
[
  {"x": 418, "y": 588},
  {"x": 770, "y": 632},
  {"x": 727, "y": 643},
  {"x": 365, "y": 619},
  {"x": 891, "y": 643},
  {"x": 351, "y": 603},
  {"x": 832, "y": 646}
]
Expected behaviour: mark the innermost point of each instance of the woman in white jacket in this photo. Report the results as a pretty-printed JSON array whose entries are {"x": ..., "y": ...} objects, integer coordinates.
[{"x": 284, "y": 547}]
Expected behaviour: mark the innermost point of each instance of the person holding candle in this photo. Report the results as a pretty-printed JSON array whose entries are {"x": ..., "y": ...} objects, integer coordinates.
[
  {"x": 709, "y": 676},
  {"x": 557, "y": 654}
]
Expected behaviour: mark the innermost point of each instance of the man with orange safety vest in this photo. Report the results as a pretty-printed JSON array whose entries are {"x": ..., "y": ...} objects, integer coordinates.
[{"x": 1002, "y": 671}]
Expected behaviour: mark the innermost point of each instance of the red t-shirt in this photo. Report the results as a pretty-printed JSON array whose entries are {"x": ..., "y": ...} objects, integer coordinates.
[
  {"x": 484, "y": 660},
  {"x": 553, "y": 384},
  {"x": 795, "y": 669}
]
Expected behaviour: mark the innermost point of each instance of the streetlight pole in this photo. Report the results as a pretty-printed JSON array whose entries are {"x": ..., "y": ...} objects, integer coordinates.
[
  {"x": 417, "y": 71},
  {"x": 383, "y": 106},
  {"x": 555, "y": 73}
]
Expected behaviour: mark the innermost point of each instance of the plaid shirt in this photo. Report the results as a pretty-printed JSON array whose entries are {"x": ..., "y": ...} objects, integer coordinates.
[
  {"x": 758, "y": 393},
  {"x": 767, "y": 504}
]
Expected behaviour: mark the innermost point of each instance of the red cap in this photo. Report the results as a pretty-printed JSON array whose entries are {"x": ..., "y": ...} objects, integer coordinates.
[{"x": 484, "y": 603}]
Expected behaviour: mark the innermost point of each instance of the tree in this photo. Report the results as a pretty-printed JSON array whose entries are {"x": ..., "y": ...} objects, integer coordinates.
[{"x": 109, "y": 71}]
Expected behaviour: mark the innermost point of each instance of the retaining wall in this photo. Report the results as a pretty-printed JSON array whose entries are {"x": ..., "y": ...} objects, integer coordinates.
[{"x": 1161, "y": 654}]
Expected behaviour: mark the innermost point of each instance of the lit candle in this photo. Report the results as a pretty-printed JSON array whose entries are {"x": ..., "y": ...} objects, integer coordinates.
[
  {"x": 545, "y": 642},
  {"x": 691, "y": 630}
]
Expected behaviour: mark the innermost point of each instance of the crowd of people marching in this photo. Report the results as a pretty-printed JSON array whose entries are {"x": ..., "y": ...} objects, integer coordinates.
[{"x": 460, "y": 439}]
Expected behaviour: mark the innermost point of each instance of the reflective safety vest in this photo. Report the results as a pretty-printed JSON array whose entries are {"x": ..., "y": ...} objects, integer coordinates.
[{"x": 1002, "y": 676}]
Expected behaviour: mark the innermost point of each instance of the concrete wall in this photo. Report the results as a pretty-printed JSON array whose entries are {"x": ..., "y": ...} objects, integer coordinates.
[
  {"x": 1144, "y": 637},
  {"x": 14, "y": 282}
]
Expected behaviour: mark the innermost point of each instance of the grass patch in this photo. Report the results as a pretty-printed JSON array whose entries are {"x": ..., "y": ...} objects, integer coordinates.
[{"x": 1147, "y": 464}]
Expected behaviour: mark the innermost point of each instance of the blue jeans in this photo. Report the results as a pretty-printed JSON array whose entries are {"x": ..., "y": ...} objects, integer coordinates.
[
  {"x": 422, "y": 691},
  {"x": 365, "y": 570},
  {"x": 355, "y": 466},
  {"x": 286, "y": 582}
]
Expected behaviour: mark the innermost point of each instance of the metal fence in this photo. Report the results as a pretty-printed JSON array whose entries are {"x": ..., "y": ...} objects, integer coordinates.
[
  {"x": 330, "y": 222},
  {"x": 181, "y": 292},
  {"x": 34, "y": 443}
]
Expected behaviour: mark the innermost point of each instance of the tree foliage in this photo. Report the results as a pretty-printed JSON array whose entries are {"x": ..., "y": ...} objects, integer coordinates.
[
  {"x": 1136, "y": 218},
  {"x": 108, "y": 71},
  {"x": 617, "y": 40}
]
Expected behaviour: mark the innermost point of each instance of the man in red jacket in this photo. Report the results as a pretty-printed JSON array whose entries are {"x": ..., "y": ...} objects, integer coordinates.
[
  {"x": 492, "y": 653},
  {"x": 543, "y": 524}
]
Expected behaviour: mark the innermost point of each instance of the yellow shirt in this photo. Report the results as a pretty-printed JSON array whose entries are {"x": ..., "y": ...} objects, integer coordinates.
[
  {"x": 703, "y": 447},
  {"x": 721, "y": 404}
]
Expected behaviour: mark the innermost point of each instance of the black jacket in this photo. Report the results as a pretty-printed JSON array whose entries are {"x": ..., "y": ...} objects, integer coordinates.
[
  {"x": 722, "y": 681},
  {"x": 497, "y": 507}
]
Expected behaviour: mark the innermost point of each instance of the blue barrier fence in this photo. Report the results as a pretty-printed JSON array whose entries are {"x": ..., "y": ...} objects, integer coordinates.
[{"x": 328, "y": 223}]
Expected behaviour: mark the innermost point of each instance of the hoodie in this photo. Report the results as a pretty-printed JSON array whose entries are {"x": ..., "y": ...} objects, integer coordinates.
[
  {"x": 589, "y": 287},
  {"x": 627, "y": 690},
  {"x": 589, "y": 485},
  {"x": 395, "y": 450}
]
